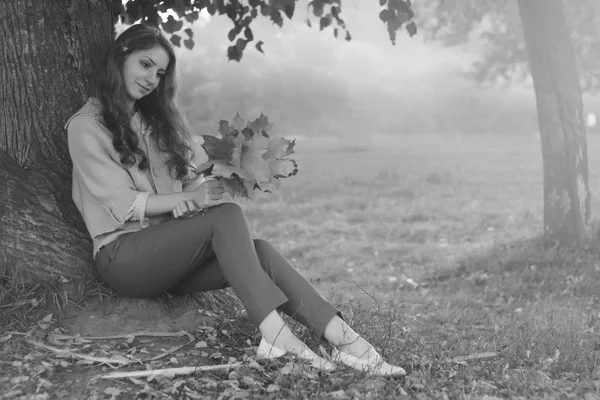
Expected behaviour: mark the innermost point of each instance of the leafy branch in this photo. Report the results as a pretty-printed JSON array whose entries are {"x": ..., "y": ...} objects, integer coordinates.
[{"x": 394, "y": 14}]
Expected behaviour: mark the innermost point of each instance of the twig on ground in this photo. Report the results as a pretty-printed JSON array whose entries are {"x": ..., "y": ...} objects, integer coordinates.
[
  {"x": 173, "y": 349},
  {"x": 476, "y": 356},
  {"x": 168, "y": 371},
  {"x": 68, "y": 352},
  {"x": 17, "y": 333}
]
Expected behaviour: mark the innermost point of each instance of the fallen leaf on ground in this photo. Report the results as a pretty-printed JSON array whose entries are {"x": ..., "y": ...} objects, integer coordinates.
[
  {"x": 112, "y": 391},
  {"x": 248, "y": 381},
  {"x": 289, "y": 368},
  {"x": 338, "y": 394},
  {"x": 273, "y": 388},
  {"x": 44, "y": 323},
  {"x": 44, "y": 383},
  {"x": 19, "y": 379}
]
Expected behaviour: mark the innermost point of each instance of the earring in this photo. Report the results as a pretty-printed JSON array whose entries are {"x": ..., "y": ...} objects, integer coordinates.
[{"x": 124, "y": 48}]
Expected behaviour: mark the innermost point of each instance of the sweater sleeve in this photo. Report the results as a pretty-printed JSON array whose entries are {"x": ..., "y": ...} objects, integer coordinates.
[
  {"x": 137, "y": 211},
  {"x": 99, "y": 168}
]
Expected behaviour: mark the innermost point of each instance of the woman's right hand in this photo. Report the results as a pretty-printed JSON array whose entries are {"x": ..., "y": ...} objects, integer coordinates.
[{"x": 209, "y": 193}]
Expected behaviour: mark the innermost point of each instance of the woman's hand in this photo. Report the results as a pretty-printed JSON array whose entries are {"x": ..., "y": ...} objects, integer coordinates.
[
  {"x": 186, "y": 204},
  {"x": 186, "y": 209},
  {"x": 209, "y": 193}
]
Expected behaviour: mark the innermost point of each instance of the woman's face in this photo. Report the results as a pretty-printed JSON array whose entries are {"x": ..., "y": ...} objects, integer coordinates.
[{"x": 142, "y": 72}]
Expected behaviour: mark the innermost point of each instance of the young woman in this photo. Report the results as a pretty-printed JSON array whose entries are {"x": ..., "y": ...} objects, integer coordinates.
[{"x": 156, "y": 227}]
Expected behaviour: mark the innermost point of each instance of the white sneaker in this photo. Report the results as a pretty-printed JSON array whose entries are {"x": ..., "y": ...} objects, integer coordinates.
[
  {"x": 374, "y": 365},
  {"x": 267, "y": 351}
]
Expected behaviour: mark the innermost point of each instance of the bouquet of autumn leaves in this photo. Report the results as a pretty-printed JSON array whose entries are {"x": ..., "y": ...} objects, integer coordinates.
[{"x": 246, "y": 157}]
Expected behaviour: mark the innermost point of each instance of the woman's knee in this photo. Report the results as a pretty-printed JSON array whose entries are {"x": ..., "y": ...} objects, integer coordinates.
[
  {"x": 262, "y": 247},
  {"x": 229, "y": 212},
  {"x": 269, "y": 256}
]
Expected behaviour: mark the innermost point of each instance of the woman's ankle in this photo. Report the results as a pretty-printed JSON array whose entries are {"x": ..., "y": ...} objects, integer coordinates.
[
  {"x": 345, "y": 339},
  {"x": 339, "y": 333},
  {"x": 277, "y": 333},
  {"x": 273, "y": 326}
]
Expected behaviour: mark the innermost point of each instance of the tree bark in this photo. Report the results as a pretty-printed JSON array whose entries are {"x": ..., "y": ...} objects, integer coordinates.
[
  {"x": 560, "y": 117},
  {"x": 46, "y": 58}
]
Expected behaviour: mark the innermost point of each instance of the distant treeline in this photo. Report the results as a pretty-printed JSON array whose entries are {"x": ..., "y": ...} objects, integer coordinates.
[{"x": 312, "y": 102}]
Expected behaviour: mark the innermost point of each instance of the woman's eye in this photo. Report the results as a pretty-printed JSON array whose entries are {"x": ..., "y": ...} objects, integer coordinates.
[{"x": 145, "y": 64}]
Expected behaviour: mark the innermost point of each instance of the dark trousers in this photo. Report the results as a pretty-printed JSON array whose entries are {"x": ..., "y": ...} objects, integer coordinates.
[{"x": 209, "y": 252}]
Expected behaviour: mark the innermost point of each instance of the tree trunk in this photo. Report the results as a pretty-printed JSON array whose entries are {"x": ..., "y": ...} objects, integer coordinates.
[
  {"x": 47, "y": 54},
  {"x": 47, "y": 51},
  {"x": 560, "y": 117}
]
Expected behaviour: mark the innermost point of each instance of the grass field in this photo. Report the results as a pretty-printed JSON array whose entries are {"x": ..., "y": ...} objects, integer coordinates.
[
  {"x": 460, "y": 217},
  {"x": 430, "y": 247}
]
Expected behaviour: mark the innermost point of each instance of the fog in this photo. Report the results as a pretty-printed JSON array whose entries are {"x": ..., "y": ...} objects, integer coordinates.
[{"x": 312, "y": 85}]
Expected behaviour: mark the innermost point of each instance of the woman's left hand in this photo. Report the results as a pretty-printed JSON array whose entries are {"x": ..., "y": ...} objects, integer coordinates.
[{"x": 186, "y": 209}]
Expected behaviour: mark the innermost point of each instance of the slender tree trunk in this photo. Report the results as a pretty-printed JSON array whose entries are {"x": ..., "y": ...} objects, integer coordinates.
[
  {"x": 46, "y": 54},
  {"x": 560, "y": 118}
]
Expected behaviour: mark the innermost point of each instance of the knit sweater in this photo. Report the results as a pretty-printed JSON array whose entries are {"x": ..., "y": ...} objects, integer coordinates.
[{"x": 105, "y": 190}]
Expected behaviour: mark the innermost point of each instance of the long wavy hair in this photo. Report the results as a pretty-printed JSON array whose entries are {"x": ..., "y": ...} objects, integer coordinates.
[{"x": 159, "y": 109}]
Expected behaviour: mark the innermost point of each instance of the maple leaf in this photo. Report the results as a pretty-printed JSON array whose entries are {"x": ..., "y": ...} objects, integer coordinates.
[
  {"x": 252, "y": 161},
  {"x": 250, "y": 186},
  {"x": 248, "y": 133},
  {"x": 225, "y": 129},
  {"x": 261, "y": 124},
  {"x": 279, "y": 147},
  {"x": 217, "y": 148},
  {"x": 270, "y": 186},
  {"x": 236, "y": 154},
  {"x": 246, "y": 158},
  {"x": 222, "y": 168},
  {"x": 283, "y": 168},
  {"x": 235, "y": 187},
  {"x": 239, "y": 122}
]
